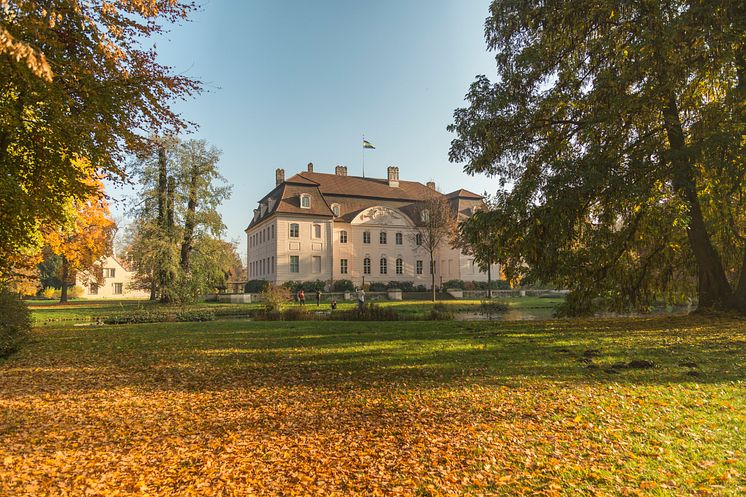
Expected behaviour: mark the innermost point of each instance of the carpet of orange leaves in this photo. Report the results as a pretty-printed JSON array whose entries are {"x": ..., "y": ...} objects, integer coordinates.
[{"x": 89, "y": 412}]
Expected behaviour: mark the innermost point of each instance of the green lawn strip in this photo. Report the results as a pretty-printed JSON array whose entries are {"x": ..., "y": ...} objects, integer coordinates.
[{"x": 540, "y": 405}]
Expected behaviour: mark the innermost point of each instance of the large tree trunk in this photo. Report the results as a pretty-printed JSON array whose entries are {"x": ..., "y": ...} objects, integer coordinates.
[
  {"x": 189, "y": 221},
  {"x": 432, "y": 276},
  {"x": 489, "y": 281},
  {"x": 739, "y": 296},
  {"x": 65, "y": 276},
  {"x": 714, "y": 290}
]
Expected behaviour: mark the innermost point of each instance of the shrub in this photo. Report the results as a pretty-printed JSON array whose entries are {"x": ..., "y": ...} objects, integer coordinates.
[
  {"x": 293, "y": 286},
  {"x": 404, "y": 286},
  {"x": 312, "y": 286},
  {"x": 370, "y": 312},
  {"x": 377, "y": 287},
  {"x": 343, "y": 286},
  {"x": 297, "y": 314},
  {"x": 255, "y": 286},
  {"x": 51, "y": 293},
  {"x": 75, "y": 292},
  {"x": 15, "y": 322},
  {"x": 148, "y": 316},
  {"x": 420, "y": 288},
  {"x": 454, "y": 284},
  {"x": 439, "y": 312},
  {"x": 274, "y": 296}
]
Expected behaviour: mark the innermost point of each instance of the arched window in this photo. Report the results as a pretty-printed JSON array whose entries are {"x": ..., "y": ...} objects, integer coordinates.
[
  {"x": 382, "y": 238},
  {"x": 366, "y": 265},
  {"x": 335, "y": 209},
  {"x": 343, "y": 236},
  {"x": 305, "y": 201},
  {"x": 399, "y": 266},
  {"x": 399, "y": 238},
  {"x": 384, "y": 265},
  {"x": 366, "y": 236},
  {"x": 418, "y": 239}
]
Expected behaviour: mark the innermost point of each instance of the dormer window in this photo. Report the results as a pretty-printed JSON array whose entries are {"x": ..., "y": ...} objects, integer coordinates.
[
  {"x": 336, "y": 210},
  {"x": 305, "y": 201}
]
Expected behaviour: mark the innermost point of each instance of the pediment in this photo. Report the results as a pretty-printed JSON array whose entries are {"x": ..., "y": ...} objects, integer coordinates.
[{"x": 382, "y": 216}]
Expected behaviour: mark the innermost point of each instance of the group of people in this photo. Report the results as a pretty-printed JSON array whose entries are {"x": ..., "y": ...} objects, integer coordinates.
[{"x": 301, "y": 297}]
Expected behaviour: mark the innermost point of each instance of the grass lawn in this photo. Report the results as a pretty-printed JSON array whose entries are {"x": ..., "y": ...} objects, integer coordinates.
[
  {"x": 411, "y": 408},
  {"x": 50, "y": 312}
]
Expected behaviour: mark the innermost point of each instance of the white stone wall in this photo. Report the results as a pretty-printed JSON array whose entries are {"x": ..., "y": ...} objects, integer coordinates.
[{"x": 261, "y": 252}]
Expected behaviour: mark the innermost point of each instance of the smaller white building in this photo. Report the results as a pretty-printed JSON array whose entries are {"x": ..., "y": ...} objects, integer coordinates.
[{"x": 109, "y": 280}]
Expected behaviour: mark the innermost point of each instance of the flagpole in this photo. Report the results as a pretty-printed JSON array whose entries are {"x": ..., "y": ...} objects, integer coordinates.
[{"x": 363, "y": 155}]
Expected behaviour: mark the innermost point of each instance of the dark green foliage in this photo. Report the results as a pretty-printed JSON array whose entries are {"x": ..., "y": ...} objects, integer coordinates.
[
  {"x": 50, "y": 269},
  {"x": 377, "y": 287},
  {"x": 616, "y": 130},
  {"x": 255, "y": 286},
  {"x": 404, "y": 286},
  {"x": 152, "y": 316},
  {"x": 15, "y": 322},
  {"x": 312, "y": 286},
  {"x": 343, "y": 286},
  {"x": 493, "y": 307},
  {"x": 289, "y": 314},
  {"x": 459, "y": 284},
  {"x": 419, "y": 288}
]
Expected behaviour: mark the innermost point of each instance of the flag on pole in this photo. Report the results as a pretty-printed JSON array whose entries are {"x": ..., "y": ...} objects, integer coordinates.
[{"x": 367, "y": 144}]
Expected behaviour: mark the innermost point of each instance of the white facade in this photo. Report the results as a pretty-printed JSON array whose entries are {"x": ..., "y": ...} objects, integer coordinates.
[{"x": 114, "y": 282}]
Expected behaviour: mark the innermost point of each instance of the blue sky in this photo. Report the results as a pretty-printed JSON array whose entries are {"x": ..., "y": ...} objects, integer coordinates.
[{"x": 292, "y": 82}]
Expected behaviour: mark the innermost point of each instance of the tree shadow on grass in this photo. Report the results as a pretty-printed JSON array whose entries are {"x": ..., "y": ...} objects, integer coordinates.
[{"x": 348, "y": 356}]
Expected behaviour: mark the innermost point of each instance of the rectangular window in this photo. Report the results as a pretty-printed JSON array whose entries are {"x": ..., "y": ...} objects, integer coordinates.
[
  {"x": 317, "y": 231},
  {"x": 316, "y": 264},
  {"x": 117, "y": 289},
  {"x": 272, "y": 232},
  {"x": 343, "y": 266},
  {"x": 418, "y": 239},
  {"x": 399, "y": 266},
  {"x": 294, "y": 264},
  {"x": 366, "y": 236},
  {"x": 366, "y": 265},
  {"x": 342, "y": 237},
  {"x": 272, "y": 264},
  {"x": 294, "y": 230},
  {"x": 399, "y": 239},
  {"x": 305, "y": 201},
  {"x": 384, "y": 265},
  {"x": 382, "y": 238},
  {"x": 109, "y": 272},
  {"x": 93, "y": 290},
  {"x": 419, "y": 267}
]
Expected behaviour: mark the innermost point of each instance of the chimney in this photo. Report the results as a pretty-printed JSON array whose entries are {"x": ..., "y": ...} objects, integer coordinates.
[
  {"x": 340, "y": 170},
  {"x": 310, "y": 167},
  {"x": 393, "y": 176},
  {"x": 279, "y": 176},
  {"x": 431, "y": 184}
]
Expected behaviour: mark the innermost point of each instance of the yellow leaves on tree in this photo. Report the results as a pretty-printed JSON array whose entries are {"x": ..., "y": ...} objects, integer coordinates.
[{"x": 85, "y": 237}]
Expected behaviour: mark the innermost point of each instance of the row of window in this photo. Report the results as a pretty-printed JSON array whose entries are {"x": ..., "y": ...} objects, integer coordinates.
[
  {"x": 118, "y": 287},
  {"x": 262, "y": 236},
  {"x": 383, "y": 265},
  {"x": 382, "y": 236},
  {"x": 263, "y": 266}
]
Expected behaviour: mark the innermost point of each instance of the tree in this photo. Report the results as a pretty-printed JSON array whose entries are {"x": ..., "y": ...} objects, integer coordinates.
[
  {"x": 476, "y": 237},
  {"x": 84, "y": 239},
  {"x": 435, "y": 226},
  {"x": 616, "y": 131},
  {"x": 175, "y": 243},
  {"x": 76, "y": 82}
]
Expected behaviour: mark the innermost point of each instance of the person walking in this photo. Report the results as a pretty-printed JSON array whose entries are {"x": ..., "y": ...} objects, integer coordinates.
[
  {"x": 318, "y": 298},
  {"x": 361, "y": 299},
  {"x": 301, "y": 297}
]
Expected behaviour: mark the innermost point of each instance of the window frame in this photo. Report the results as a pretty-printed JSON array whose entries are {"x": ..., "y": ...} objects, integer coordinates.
[
  {"x": 383, "y": 238},
  {"x": 366, "y": 265},
  {"x": 343, "y": 266},
  {"x": 419, "y": 267},
  {"x": 314, "y": 229},
  {"x": 366, "y": 237},
  {"x": 343, "y": 236},
  {"x": 297, "y": 230},
  {"x": 295, "y": 259},
  {"x": 399, "y": 238},
  {"x": 383, "y": 265},
  {"x": 399, "y": 265},
  {"x": 305, "y": 198}
]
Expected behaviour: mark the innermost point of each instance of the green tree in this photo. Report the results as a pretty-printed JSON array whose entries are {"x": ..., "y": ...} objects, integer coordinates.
[
  {"x": 477, "y": 237},
  {"x": 175, "y": 242},
  {"x": 616, "y": 130},
  {"x": 79, "y": 90}
]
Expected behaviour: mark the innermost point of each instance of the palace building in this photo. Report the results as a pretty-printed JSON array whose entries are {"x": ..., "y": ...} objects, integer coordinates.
[{"x": 329, "y": 227}]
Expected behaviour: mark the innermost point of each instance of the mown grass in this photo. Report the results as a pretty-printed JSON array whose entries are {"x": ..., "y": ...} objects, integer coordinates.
[
  {"x": 410, "y": 408},
  {"x": 47, "y": 312}
]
